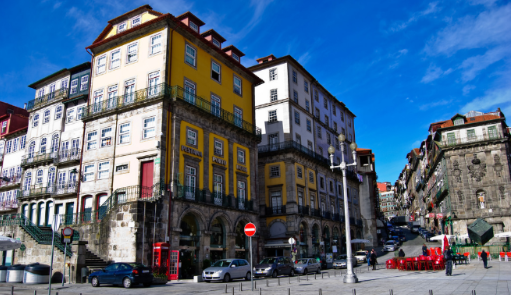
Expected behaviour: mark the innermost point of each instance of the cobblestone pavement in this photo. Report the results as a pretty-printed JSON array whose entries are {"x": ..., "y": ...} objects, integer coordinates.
[{"x": 465, "y": 278}]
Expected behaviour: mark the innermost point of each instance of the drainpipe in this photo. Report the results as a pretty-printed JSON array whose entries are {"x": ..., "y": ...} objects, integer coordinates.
[{"x": 169, "y": 70}]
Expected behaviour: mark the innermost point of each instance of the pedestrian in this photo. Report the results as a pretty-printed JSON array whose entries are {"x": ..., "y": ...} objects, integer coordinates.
[
  {"x": 373, "y": 259},
  {"x": 368, "y": 258},
  {"x": 424, "y": 250},
  {"x": 401, "y": 253},
  {"x": 484, "y": 257},
  {"x": 448, "y": 261}
]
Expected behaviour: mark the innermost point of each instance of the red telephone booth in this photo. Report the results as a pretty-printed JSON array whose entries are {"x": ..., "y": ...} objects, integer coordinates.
[{"x": 162, "y": 256}]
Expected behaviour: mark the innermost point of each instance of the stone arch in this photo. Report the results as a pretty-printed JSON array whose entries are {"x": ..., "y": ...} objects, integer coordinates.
[
  {"x": 200, "y": 217},
  {"x": 225, "y": 219},
  {"x": 278, "y": 220},
  {"x": 242, "y": 218},
  {"x": 301, "y": 234}
]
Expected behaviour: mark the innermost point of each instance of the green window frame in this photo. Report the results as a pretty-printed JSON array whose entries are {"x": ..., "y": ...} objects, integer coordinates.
[
  {"x": 471, "y": 134},
  {"x": 451, "y": 138},
  {"x": 492, "y": 132}
]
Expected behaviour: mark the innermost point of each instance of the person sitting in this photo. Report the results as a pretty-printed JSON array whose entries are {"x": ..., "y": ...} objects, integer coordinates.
[{"x": 401, "y": 253}]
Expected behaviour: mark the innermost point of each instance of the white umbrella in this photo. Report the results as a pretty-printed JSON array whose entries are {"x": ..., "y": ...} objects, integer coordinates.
[
  {"x": 9, "y": 244},
  {"x": 441, "y": 237},
  {"x": 360, "y": 241},
  {"x": 503, "y": 235},
  {"x": 464, "y": 236}
]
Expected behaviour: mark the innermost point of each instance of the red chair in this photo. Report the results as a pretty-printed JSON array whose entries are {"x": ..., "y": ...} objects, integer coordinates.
[
  {"x": 429, "y": 262},
  {"x": 502, "y": 256},
  {"x": 390, "y": 264},
  {"x": 409, "y": 263},
  {"x": 438, "y": 251},
  {"x": 401, "y": 264},
  {"x": 478, "y": 256},
  {"x": 508, "y": 256},
  {"x": 416, "y": 264},
  {"x": 467, "y": 256},
  {"x": 422, "y": 262},
  {"x": 438, "y": 265}
]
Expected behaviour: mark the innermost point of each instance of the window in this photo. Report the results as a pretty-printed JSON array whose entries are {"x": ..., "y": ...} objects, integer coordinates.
[
  {"x": 121, "y": 27},
  {"x": 219, "y": 147},
  {"x": 321, "y": 182},
  {"x": 58, "y": 112},
  {"x": 451, "y": 138},
  {"x": 23, "y": 140},
  {"x": 191, "y": 137},
  {"x": 307, "y": 105},
  {"x": 309, "y": 145},
  {"x": 84, "y": 83},
  {"x": 273, "y": 95},
  {"x": 74, "y": 86},
  {"x": 492, "y": 132},
  {"x": 70, "y": 115},
  {"x": 274, "y": 171},
  {"x": 272, "y": 116},
  {"x": 295, "y": 77},
  {"x": 273, "y": 74},
  {"x": 92, "y": 141},
  {"x": 328, "y": 138},
  {"x": 154, "y": 81},
  {"x": 241, "y": 156},
  {"x": 273, "y": 140},
  {"x": 458, "y": 121},
  {"x": 218, "y": 182},
  {"x": 63, "y": 84},
  {"x": 335, "y": 126},
  {"x": 337, "y": 143},
  {"x": 298, "y": 139},
  {"x": 299, "y": 172},
  {"x": 137, "y": 20},
  {"x": 156, "y": 44},
  {"x": 343, "y": 131},
  {"x": 191, "y": 55},
  {"x": 42, "y": 148},
  {"x": 238, "y": 117},
  {"x": 8, "y": 146},
  {"x": 276, "y": 202},
  {"x": 215, "y": 105},
  {"x": 121, "y": 168},
  {"x": 320, "y": 150},
  {"x": 149, "y": 128},
  {"x": 241, "y": 197},
  {"x": 311, "y": 177},
  {"x": 106, "y": 137},
  {"x": 4, "y": 127},
  {"x": 215, "y": 71},
  {"x": 194, "y": 27},
  {"x": 115, "y": 59},
  {"x": 100, "y": 65},
  {"x": 80, "y": 113},
  {"x": 124, "y": 133},
  {"x": 471, "y": 134},
  {"x": 237, "y": 85},
  {"x": 216, "y": 42},
  {"x": 297, "y": 118},
  {"x": 326, "y": 120},
  {"x": 317, "y": 113},
  {"x": 103, "y": 170},
  {"x": 15, "y": 143},
  {"x": 295, "y": 96},
  {"x": 319, "y": 132},
  {"x": 88, "y": 172},
  {"x": 39, "y": 178},
  {"x": 35, "y": 121},
  {"x": 46, "y": 117},
  {"x": 236, "y": 57},
  {"x": 331, "y": 186},
  {"x": 306, "y": 86},
  {"x": 342, "y": 116},
  {"x": 132, "y": 53}
]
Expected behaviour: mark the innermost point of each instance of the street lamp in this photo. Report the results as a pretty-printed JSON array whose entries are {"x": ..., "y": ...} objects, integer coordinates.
[{"x": 350, "y": 276}]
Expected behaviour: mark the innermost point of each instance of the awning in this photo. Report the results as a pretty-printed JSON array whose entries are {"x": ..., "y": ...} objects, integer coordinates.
[
  {"x": 503, "y": 235},
  {"x": 9, "y": 244},
  {"x": 283, "y": 245}
]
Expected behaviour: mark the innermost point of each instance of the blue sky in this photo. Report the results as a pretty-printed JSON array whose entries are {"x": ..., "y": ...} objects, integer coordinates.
[{"x": 398, "y": 65}]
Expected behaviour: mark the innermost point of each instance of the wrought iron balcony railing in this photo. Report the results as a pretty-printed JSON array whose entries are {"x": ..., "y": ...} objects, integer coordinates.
[
  {"x": 37, "y": 158},
  {"x": 13, "y": 180},
  {"x": 280, "y": 146},
  {"x": 9, "y": 204},
  {"x": 35, "y": 190},
  {"x": 191, "y": 194},
  {"x": 471, "y": 139},
  {"x": 276, "y": 210},
  {"x": 315, "y": 212},
  {"x": 69, "y": 155},
  {"x": 244, "y": 204},
  {"x": 303, "y": 210},
  {"x": 221, "y": 199},
  {"x": 194, "y": 194},
  {"x": 65, "y": 188},
  {"x": 47, "y": 99}
]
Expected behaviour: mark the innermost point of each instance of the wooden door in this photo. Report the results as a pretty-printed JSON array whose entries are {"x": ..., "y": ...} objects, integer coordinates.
[{"x": 146, "y": 181}]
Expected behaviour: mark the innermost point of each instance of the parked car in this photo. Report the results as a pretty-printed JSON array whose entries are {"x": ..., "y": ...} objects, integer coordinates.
[
  {"x": 307, "y": 265},
  {"x": 390, "y": 245},
  {"x": 122, "y": 273},
  {"x": 226, "y": 270},
  {"x": 341, "y": 261},
  {"x": 274, "y": 266},
  {"x": 361, "y": 256},
  {"x": 402, "y": 237},
  {"x": 428, "y": 236},
  {"x": 396, "y": 239}
]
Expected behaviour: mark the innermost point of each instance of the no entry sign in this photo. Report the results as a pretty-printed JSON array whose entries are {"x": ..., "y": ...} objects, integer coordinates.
[{"x": 250, "y": 229}]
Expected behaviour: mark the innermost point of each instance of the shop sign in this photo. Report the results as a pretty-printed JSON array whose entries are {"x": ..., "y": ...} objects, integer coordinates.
[
  {"x": 241, "y": 168},
  {"x": 440, "y": 216},
  {"x": 191, "y": 151},
  {"x": 431, "y": 215},
  {"x": 329, "y": 257},
  {"x": 219, "y": 161}
]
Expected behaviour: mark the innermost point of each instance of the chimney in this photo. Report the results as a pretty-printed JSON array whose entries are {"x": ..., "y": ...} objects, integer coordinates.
[
  {"x": 25, "y": 106},
  {"x": 266, "y": 59},
  {"x": 190, "y": 20}
]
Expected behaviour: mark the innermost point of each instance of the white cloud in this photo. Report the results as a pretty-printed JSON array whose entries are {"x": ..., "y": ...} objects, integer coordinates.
[
  {"x": 416, "y": 144},
  {"x": 475, "y": 64},
  {"x": 432, "y": 8},
  {"x": 483, "y": 2},
  {"x": 467, "y": 89},
  {"x": 490, "y": 101},
  {"x": 433, "y": 72},
  {"x": 304, "y": 58},
  {"x": 428, "y": 106}
]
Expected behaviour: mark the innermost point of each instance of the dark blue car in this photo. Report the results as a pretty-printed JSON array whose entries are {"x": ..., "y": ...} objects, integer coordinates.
[{"x": 122, "y": 273}]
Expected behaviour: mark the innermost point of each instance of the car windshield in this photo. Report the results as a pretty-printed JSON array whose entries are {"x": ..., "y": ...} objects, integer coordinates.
[
  {"x": 359, "y": 253},
  {"x": 222, "y": 263},
  {"x": 390, "y": 243},
  {"x": 302, "y": 261},
  {"x": 136, "y": 265},
  {"x": 341, "y": 257},
  {"x": 268, "y": 261}
]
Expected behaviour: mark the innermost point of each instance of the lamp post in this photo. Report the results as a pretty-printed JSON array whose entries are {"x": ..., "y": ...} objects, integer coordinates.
[{"x": 350, "y": 276}]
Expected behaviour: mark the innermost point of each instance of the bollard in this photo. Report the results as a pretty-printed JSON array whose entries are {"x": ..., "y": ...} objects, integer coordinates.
[
  {"x": 260, "y": 291},
  {"x": 232, "y": 290},
  {"x": 328, "y": 274},
  {"x": 12, "y": 290},
  {"x": 430, "y": 292},
  {"x": 279, "y": 281},
  {"x": 225, "y": 288},
  {"x": 298, "y": 278},
  {"x": 289, "y": 280},
  {"x": 354, "y": 292},
  {"x": 241, "y": 286},
  {"x": 314, "y": 276},
  {"x": 35, "y": 292},
  {"x": 473, "y": 292},
  {"x": 320, "y": 291},
  {"x": 334, "y": 274},
  {"x": 255, "y": 284},
  {"x": 321, "y": 275},
  {"x": 307, "y": 277},
  {"x": 288, "y": 291},
  {"x": 56, "y": 293},
  {"x": 267, "y": 283},
  {"x": 391, "y": 292}
]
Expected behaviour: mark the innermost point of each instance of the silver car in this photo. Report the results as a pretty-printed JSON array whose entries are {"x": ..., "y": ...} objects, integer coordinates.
[
  {"x": 226, "y": 270},
  {"x": 341, "y": 261},
  {"x": 390, "y": 246},
  {"x": 307, "y": 265}
]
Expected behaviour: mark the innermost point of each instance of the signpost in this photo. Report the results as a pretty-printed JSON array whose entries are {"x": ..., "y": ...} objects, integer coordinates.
[
  {"x": 67, "y": 235},
  {"x": 250, "y": 230},
  {"x": 291, "y": 243}
]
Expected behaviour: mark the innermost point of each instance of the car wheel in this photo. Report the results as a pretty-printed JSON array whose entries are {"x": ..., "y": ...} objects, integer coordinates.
[
  {"x": 126, "y": 283},
  {"x": 274, "y": 274},
  {"x": 147, "y": 285},
  {"x": 227, "y": 278},
  {"x": 247, "y": 277},
  {"x": 95, "y": 282},
  {"x": 292, "y": 273}
]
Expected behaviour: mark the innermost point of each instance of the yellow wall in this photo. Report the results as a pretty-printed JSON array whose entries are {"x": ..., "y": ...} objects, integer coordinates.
[
  {"x": 200, "y": 148},
  {"x": 235, "y": 147},
  {"x": 145, "y": 18},
  {"x": 212, "y": 137},
  {"x": 202, "y": 77},
  {"x": 270, "y": 181},
  {"x": 311, "y": 185}
]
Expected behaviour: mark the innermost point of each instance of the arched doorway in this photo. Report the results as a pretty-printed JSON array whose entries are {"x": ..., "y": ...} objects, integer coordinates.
[
  {"x": 33, "y": 213},
  {"x": 315, "y": 240},
  {"x": 217, "y": 242},
  {"x": 304, "y": 248},
  {"x": 343, "y": 241},
  {"x": 326, "y": 239},
  {"x": 40, "y": 214},
  {"x": 189, "y": 247},
  {"x": 241, "y": 243},
  {"x": 86, "y": 209},
  {"x": 49, "y": 213}
]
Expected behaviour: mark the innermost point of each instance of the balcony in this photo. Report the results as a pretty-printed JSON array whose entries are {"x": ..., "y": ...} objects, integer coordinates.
[
  {"x": 286, "y": 145},
  {"x": 47, "y": 99},
  {"x": 315, "y": 212},
  {"x": 450, "y": 142},
  {"x": 35, "y": 191},
  {"x": 303, "y": 210},
  {"x": 221, "y": 199},
  {"x": 13, "y": 181},
  {"x": 67, "y": 156},
  {"x": 441, "y": 192},
  {"x": 36, "y": 159},
  {"x": 244, "y": 204},
  {"x": 11, "y": 203},
  {"x": 326, "y": 215},
  {"x": 276, "y": 210},
  {"x": 193, "y": 194},
  {"x": 336, "y": 217},
  {"x": 64, "y": 188}
]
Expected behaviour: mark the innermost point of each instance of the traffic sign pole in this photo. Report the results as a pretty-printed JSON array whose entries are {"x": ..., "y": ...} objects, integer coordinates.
[
  {"x": 250, "y": 230},
  {"x": 64, "y": 267}
]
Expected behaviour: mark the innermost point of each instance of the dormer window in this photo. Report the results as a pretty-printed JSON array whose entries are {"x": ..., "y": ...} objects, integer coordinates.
[
  {"x": 121, "y": 27},
  {"x": 194, "y": 27},
  {"x": 236, "y": 57},
  {"x": 215, "y": 41},
  {"x": 137, "y": 20},
  {"x": 458, "y": 121}
]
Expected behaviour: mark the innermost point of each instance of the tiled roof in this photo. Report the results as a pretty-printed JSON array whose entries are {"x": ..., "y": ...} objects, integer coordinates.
[
  {"x": 471, "y": 120},
  {"x": 382, "y": 186}
]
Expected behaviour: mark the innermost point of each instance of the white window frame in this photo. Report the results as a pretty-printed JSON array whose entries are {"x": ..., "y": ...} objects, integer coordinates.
[
  {"x": 136, "y": 21},
  {"x": 238, "y": 89},
  {"x": 273, "y": 74},
  {"x": 122, "y": 27},
  {"x": 105, "y": 137},
  {"x": 191, "y": 140},
  {"x": 92, "y": 140},
  {"x": 188, "y": 55},
  {"x": 102, "y": 170},
  {"x": 113, "y": 60},
  {"x": 274, "y": 95},
  {"x": 70, "y": 115},
  {"x": 297, "y": 118},
  {"x": 35, "y": 120},
  {"x": 306, "y": 86},
  {"x": 295, "y": 77},
  {"x": 218, "y": 150},
  {"x": 272, "y": 116},
  {"x": 219, "y": 72},
  {"x": 309, "y": 125},
  {"x": 128, "y": 50},
  {"x": 241, "y": 153},
  {"x": 84, "y": 83},
  {"x": 101, "y": 64},
  {"x": 89, "y": 170},
  {"x": 236, "y": 57},
  {"x": 58, "y": 111},
  {"x": 46, "y": 116},
  {"x": 194, "y": 26},
  {"x": 125, "y": 136},
  {"x": 216, "y": 42},
  {"x": 146, "y": 129},
  {"x": 155, "y": 48},
  {"x": 74, "y": 86}
]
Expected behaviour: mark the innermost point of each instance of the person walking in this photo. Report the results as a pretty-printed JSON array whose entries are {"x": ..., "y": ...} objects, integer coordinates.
[
  {"x": 368, "y": 258},
  {"x": 401, "y": 253},
  {"x": 424, "y": 250},
  {"x": 373, "y": 259},
  {"x": 448, "y": 261},
  {"x": 484, "y": 257}
]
